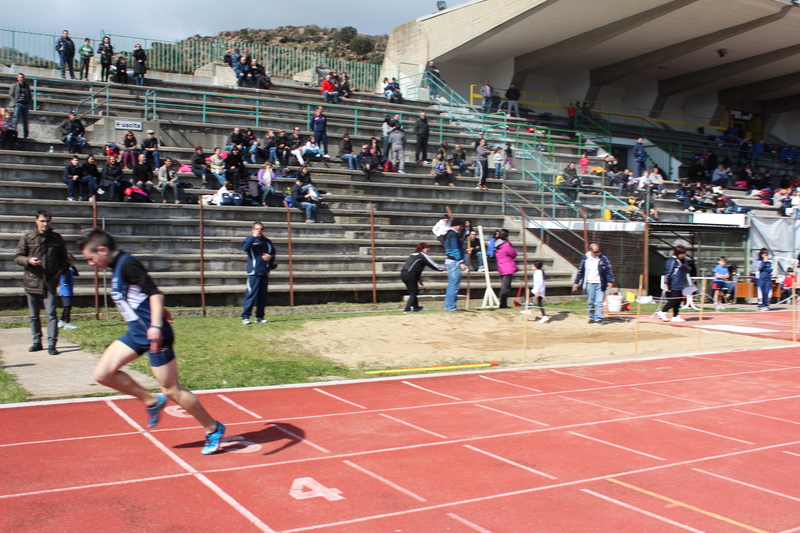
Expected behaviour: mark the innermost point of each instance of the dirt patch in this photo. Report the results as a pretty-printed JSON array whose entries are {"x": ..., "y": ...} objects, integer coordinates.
[{"x": 436, "y": 338}]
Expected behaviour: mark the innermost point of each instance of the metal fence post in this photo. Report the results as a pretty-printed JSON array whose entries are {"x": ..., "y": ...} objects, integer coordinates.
[
  {"x": 202, "y": 260},
  {"x": 289, "y": 252},
  {"x": 374, "y": 272}
]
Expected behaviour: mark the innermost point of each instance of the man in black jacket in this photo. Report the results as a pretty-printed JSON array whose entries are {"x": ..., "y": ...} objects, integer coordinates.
[
  {"x": 66, "y": 52},
  {"x": 20, "y": 97},
  {"x": 112, "y": 176},
  {"x": 235, "y": 138},
  {"x": 303, "y": 200},
  {"x": 43, "y": 254},
  {"x": 199, "y": 165},
  {"x": 422, "y": 131},
  {"x": 73, "y": 172},
  {"x": 512, "y": 95},
  {"x": 72, "y": 131}
]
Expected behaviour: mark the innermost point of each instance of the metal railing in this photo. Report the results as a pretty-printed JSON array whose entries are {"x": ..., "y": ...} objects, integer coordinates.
[
  {"x": 37, "y": 49},
  {"x": 93, "y": 101}
]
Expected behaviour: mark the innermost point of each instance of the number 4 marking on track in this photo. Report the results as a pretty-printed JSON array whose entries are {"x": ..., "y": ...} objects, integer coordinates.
[{"x": 315, "y": 490}]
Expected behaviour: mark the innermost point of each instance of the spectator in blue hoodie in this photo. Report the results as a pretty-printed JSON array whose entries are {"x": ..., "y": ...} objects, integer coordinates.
[
  {"x": 763, "y": 279},
  {"x": 319, "y": 125},
  {"x": 260, "y": 260},
  {"x": 676, "y": 273},
  {"x": 242, "y": 70}
]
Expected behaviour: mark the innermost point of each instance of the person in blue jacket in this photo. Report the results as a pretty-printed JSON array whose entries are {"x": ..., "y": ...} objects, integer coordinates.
[
  {"x": 763, "y": 281},
  {"x": 454, "y": 250},
  {"x": 676, "y": 272},
  {"x": 260, "y": 260},
  {"x": 66, "y": 290},
  {"x": 319, "y": 125}
]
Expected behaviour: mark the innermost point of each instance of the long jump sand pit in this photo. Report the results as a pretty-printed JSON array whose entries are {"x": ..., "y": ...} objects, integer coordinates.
[{"x": 438, "y": 338}]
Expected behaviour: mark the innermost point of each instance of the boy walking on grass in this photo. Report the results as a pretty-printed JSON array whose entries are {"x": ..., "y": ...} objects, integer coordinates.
[{"x": 141, "y": 305}]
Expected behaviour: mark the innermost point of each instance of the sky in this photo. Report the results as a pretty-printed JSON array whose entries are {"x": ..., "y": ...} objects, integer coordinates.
[{"x": 178, "y": 19}]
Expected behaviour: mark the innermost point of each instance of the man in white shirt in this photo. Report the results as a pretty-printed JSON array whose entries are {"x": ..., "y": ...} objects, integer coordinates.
[
  {"x": 595, "y": 272},
  {"x": 441, "y": 228}
]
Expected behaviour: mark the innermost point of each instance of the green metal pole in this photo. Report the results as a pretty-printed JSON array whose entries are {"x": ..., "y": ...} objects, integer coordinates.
[{"x": 204, "y": 107}]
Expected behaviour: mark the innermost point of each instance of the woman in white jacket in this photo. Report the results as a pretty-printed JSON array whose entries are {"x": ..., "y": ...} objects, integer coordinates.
[{"x": 538, "y": 288}]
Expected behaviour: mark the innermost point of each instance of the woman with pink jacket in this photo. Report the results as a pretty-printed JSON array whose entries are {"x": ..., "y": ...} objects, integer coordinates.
[{"x": 505, "y": 254}]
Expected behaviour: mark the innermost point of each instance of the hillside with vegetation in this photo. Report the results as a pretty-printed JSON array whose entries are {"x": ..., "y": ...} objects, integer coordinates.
[{"x": 345, "y": 43}]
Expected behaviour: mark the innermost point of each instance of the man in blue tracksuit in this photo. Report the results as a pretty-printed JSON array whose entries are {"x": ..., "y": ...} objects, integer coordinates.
[
  {"x": 763, "y": 279},
  {"x": 595, "y": 271},
  {"x": 319, "y": 125},
  {"x": 454, "y": 250},
  {"x": 260, "y": 259},
  {"x": 640, "y": 156}
]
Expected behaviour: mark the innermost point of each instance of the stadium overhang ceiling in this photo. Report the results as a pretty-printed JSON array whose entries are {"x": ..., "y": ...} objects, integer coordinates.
[{"x": 741, "y": 47}]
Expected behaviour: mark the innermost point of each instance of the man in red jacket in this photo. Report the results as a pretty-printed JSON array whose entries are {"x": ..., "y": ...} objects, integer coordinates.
[{"x": 328, "y": 89}]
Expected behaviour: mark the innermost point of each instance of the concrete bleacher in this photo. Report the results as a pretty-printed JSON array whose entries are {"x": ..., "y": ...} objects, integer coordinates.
[{"x": 331, "y": 261}]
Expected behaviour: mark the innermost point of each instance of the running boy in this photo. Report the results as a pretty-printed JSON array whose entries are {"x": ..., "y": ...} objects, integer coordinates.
[
  {"x": 721, "y": 276},
  {"x": 141, "y": 304}
]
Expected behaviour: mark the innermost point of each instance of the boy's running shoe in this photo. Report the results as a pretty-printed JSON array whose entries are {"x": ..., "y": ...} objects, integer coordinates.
[
  {"x": 155, "y": 410},
  {"x": 213, "y": 440}
]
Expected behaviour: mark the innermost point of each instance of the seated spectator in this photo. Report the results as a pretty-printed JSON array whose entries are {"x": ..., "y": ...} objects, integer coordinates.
[
  {"x": 252, "y": 145},
  {"x": 121, "y": 69},
  {"x": 346, "y": 152},
  {"x": 721, "y": 176},
  {"x": 375, "y": 150},
  {"x": 227, "y": 58},
  {"x": 571, "y": 182},
  {"x": 388, "y": 88},
  {"x": 304, "y": 200},
  {"x": 73, "y": 172},
  {"x": 235, "y": 170},
  {"x": 685, "y": 194},
  {"x": 236, "y": 138},
  {"x": 584, "y": 163},
  {"x": 473, "y": 249},
  {"x": 261, "y": 77},
  {"x": 129, "y": 155},
  {"x": 266, "y": 185},
  {"x": 459, "y": 158},
  {"x": 242, "y": 71},
  {"x": 441, "y": 171},
  {"x": 235, "y": 57},
  {"x": 168, "y": 179},
  {"x": 150, "y": 149},
  {"x": 142, "y": 175},
  {"x": 311, "y": 148},
  {"x": 216, "y": 165},
  {"x": 112, "y": 178},
  {"x": 72, "y": 131},
  {"x": 270, "y": 150},
  {"x": 789, "y": 282},
  {"x": 282, "y": 150},
  {"x": 8, "y": 130},
  {"x": 91, "y": 178},
  {"x": 643, "y": 183},
  {"x": 295, "y": 144},
  {"x": 657, "y": 181},
  {"x": 199, "y": 164},
  {"x": 367, "y": 162},
  {"x": 328, "y": 90},
  {"x": 344, "y": 86}
]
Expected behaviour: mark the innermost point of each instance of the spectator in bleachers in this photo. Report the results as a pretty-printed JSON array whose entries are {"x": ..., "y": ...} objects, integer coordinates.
[
  {"x": 270, "y": 149},
  {"x": 459, "y": 158},
  {"x": 328, "y": 90},
  {"x": 712, "y": 162},
  {"x": 142, "y": 175},
  {"x": 122, "y": 70},
  {"x": 386, "y": 129},
  {"x": 346, "y": 152},
  {"x": 472, "y": 247},
  {"x": 486, "y": 92},
  {"x": 697, "y": 170},
  {"x": 745, "y": 151},
  {"x": 584, "y": 163},
  {"x": 235, "y": 56},
  {"x": 788, "y": 154},
  {"x": 513, "y": 95},
  {"x": 397, "y": 143},
  {"x": 304, "y": 200},
  {"x": 344, "y": 86},
  {"x": 759, "y": 148},
  {"x": 129, "y": 143},
  {"x": 388, "y": 88},
  {"x": 139, "y": 64},
  {"x": 228, "y": 58},
  {"x": 296, "y": 143},
  {"x": 106, "y": 53},
  {"x": 311, "y": 148},
  {"x": 168, "y": 179},
  {"x": 684, "y": 194},
  {"x": 72, "y": 178},
  {"x": 66, "y": 53},
  {"x": 480, "y": 138},
  {"x": 721, "y": 176},
  {"x": 150, "y": 148},
  {"x": 432, "y": 78},
  {"x": 235, "y": 171},
  {"x": 242, "y": 70},
  {"x": 571, "y": 182},
  {"x": 235, "y": 138},
  {"x": 86, "y": 53},
  {"x": 643, "y": 182},
  {"x": 261, "y": 77},
  {"x": 21, "y": 98},
  {"x": 216, "y": 165},
  {"x": 91, "y": 178},
  {"x": 571, "y": 116},
  {"x": 112, "y": 178},
  {"x": 441, "y": 170},
  {"x": 482, "y": 169},
  {"x": 251, "y": 146},
  {"x": 422, "y": 131},
  {"x": 8, "y": 131},
  {"x": 319, "y": 125},
  {"x": 375, "y": 150},
  {"x": 72, "y": 131},
  {"x": 509, "y": 162},
  {"x": 789, "y": 284},
  {"x": 367, "y": 161},
  {"x": 640, "y": 156},
  {"x": 657, "y": 180},
  {"x": 498, "y": 158},
  {"x": 282, "y": 148},
  {"x": 199, "y": 164},
  {"x": 266, "y": 184}
]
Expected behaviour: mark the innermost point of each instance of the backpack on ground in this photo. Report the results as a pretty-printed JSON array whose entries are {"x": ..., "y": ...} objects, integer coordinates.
[{"x": 388, "y": 166}]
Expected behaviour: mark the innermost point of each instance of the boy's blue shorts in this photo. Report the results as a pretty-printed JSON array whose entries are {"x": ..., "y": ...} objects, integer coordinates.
[{"x": 160, "y": 358}]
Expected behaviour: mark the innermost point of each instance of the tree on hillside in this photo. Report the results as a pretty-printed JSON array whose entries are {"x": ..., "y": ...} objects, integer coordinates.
[
  {"x": 346, "y": 34},
  {"x": 362, "y": 45}
]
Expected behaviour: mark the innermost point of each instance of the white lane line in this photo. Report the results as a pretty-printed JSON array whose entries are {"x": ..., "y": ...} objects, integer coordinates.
[
  {"x": 384, "y": 480},
  {"x": 642, "y": 511},
  {"x": 431, "y": 391},
  {"x": 704, "y": 431},
  {"x": 69, "y": 438},
  {"x": 774, "y": 365},
  {"x": 793, "y": 530},
  {"x": 582, "y": 377},
  {"x": 792, "y": 453},
  {"x": 782, "y": 495},
  {"x": 253, "y": 519},
  {"x": 766, "y": 416},
  {"x": 508, "y": 383},
  {"x": 299, "y": 438},
  {"x": 236, "y": 405},
  {"x": 409, "y": 424},
  {"x": 511, "y": 414},
  {"x": 338, "y": 398},
  {"x": 529, "y": 469},
  {"x": 596, "y": 405},
  {"x": 467, "y": 523},
  {"x": 671, "y": 396},
  {"x": 616, "y": 445},
  {"x": 94, "y": 485}
]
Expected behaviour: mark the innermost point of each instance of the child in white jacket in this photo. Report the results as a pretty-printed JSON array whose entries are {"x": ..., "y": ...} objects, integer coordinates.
[{"x": 538, "y": 288}]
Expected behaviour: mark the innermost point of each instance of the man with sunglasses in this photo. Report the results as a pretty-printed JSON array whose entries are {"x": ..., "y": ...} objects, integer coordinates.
[{"x": 596, "y": 273}]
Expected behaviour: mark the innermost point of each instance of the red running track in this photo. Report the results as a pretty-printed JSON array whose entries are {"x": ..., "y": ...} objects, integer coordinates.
[
  {"x": 704, "y": 443},
  {"x": 767, "y": 325}
]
